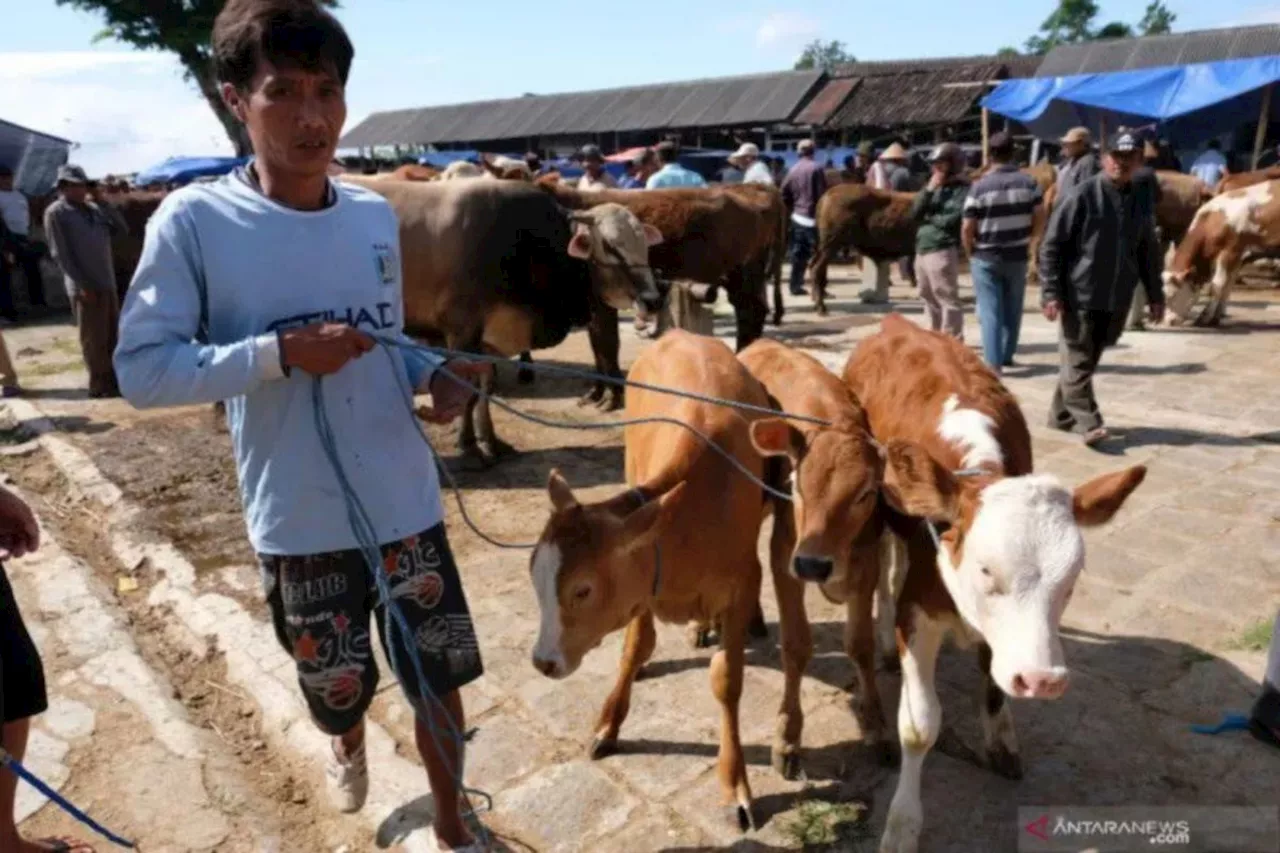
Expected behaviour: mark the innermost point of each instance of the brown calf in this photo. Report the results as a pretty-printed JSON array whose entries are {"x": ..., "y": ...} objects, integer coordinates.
[
  {"x": 958, "y": 455},
  {"x": 828, "y": 535},
  {"x": 679, "y": 544}
]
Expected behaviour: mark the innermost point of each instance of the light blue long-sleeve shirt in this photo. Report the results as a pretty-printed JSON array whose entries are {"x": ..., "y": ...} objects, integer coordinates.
[
  {"x": 674, "y": 175},
  {"x": 251, "y": 267}
]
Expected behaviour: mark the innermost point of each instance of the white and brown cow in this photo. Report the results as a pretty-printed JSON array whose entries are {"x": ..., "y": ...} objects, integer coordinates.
[
  {"x": 1226, "y": 230},
  {"x": 678, "y": 544},
  {"x": 1010, "y": 546}
]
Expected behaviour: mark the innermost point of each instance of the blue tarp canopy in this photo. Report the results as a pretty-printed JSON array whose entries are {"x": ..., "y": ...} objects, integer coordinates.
[
  {"x": 186, "y": 169},
  {"x": 1189, "y": 103}
]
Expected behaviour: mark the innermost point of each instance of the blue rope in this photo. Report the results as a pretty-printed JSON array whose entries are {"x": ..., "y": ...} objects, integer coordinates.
[
  {"x": 1231, "y": 722},
  {"x": 7, "y": 760},
  {"x": 367, "y": 538}
]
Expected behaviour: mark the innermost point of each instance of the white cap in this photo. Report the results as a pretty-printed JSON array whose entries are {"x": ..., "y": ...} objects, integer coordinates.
[{"x": 747, "y": 149}]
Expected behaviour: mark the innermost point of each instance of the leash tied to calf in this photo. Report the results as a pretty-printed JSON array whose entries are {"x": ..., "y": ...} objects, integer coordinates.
[{"x": 15, "y": 766}]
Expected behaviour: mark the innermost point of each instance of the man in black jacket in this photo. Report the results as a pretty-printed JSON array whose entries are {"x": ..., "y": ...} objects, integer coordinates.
[{"x": 1099, "y": 243}]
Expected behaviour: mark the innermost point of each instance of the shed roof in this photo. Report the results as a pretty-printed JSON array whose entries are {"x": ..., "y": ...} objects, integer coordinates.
[
  {"x": 1017, "y": 65},
  {"x": 33, "y": 156},
  {"x": 1157, "y": 51},
  {"x": 720, "y": 102},
  {"x": 916, "y": 97}
]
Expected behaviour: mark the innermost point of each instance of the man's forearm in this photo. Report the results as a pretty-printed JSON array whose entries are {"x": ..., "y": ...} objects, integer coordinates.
[{"x": 160, "y": 373}]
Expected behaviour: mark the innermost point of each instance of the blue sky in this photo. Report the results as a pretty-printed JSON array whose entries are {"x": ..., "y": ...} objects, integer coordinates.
[{"x": 128, "y": 110}]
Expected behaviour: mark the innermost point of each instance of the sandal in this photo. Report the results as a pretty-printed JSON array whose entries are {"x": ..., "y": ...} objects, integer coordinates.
[{"x": 65, "y": 844}]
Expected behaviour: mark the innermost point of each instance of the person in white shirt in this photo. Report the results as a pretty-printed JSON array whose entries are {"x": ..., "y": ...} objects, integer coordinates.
[
  {"x": 747, "y": 158},
  {"x": 1211, "y": 166},
  {"x": 17, "y": 248},
  {"x": 595, "y": 178}
]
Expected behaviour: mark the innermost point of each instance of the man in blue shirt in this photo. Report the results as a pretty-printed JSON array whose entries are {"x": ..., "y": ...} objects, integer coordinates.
[
  {"x": 247, "y": 289},
  {"x": 672, "y": 174}
]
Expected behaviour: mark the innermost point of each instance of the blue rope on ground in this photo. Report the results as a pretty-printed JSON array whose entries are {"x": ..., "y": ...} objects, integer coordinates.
[
  {"x": 1230, "y": 722},
  {"x": 7, "y": 760}
]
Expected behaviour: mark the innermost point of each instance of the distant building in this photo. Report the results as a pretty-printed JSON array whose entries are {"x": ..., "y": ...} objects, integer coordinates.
[{"x": 33, "y": 156}]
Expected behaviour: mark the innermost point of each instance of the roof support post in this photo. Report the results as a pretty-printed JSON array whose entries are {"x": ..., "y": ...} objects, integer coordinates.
[
  {"x": 986, "y": 137},
  {"x": 1264, "y": 119}
]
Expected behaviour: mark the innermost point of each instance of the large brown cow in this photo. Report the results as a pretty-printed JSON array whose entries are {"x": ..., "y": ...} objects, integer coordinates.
[
  {"x": 678, "y": 544},
  {"x": 136, "y": 207},
  {"x": 1247, "y": 179},
  {"x": 499, "y": 266},
  {"x": 878, "y": 223},
  {"x": 718, "y": 236},
  {"x": 958, "y": 455},
  {"x": 1226, "y": 230}
]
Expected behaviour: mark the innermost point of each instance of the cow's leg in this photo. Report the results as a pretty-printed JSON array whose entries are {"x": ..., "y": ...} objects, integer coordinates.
[
  {"x": 796, "y": 641},
  {"x": 525, "y": 375},
  {"x": 892, "y": 572},
  {"x": 821, "y": 260},
  {"x": 746, "y": 294},
  {"x": 919, "y": 722},
  {"x": 602, "y": 331},
  {"x": 476, "y": 438},
  {"x": 998, "y": 737},
  {"x": 726, "y": 684},
  {"x": 1223, "y": 272},
  {"x": 639, "y": 647},
  {"x": 860, "y": 646}
]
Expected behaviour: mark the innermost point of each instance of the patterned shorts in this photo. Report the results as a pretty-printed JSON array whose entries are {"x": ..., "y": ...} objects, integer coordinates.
[{"x": 320, "y": 606}]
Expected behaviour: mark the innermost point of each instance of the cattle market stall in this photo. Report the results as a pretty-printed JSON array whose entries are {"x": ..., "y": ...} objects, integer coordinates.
[
  {"x": 1188, "y": 87},
  {"x": 917, "y": 101},
  {"x": 714, "y": 113},
  {"x": 33, "y": 156},
  {"x": 184, "y": 170}
]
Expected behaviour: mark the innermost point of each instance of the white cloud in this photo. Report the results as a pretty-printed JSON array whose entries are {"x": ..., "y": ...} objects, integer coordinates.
[
  {"x": 126, "y": 110},
  {"x": 1258, "y": 15},
  {"x": 784, "y": 30}
]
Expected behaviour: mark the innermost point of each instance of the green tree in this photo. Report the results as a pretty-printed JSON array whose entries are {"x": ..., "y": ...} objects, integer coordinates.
[
  {"x": 180, "y": 27},
  {"x": 1070, "y": 23},
  {"x": 1115, "y": 30},
  {"x": 1008, "y": 51},
  {"x": 1157, "y": 20},
  {"x": 823, "y": 55}
]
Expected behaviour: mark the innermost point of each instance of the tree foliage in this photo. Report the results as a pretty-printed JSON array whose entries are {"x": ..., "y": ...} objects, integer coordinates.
[
  {"x": 823, "y": 55},
  {"x": 180, "y": 27},
  {"x": 1072, "y": 22}
]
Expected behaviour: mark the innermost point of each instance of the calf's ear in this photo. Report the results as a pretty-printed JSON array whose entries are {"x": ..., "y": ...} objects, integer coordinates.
[
  {"x": 776, "y": 437},
  {"x": 561, "y": 495},
  {"x": 652, "y": 235},
  {"x": 640, "y": 529},
  {"x": 580, "y": 242},
  {"x": 1096, "y": 501},
  {"x": 915, "y": 484}
]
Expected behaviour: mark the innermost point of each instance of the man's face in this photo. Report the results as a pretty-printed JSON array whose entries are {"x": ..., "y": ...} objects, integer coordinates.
[
  {"x": 941, "y": 168},
  {"x": 1120, "y": 165},
  {"x": 293, "y": 116},
  {"x": 74, "y": 193},
  {"x": 1075, "y": 148}
]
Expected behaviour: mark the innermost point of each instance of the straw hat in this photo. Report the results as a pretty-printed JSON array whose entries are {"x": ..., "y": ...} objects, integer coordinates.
[
  {"x": 1078, "y": 134},
  {"x": 894, "y": 152}
]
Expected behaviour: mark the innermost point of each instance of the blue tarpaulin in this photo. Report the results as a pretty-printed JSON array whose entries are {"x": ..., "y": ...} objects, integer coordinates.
[
  {"x": 183, "y": 170},
  {"x": 1189, "y": 103}
]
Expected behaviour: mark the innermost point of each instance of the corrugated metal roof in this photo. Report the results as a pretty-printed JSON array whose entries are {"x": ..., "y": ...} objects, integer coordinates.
[
  {"x": 1158, "y": 51},
  {"x": 723, "y": 102},
  {"x": 1016, "y": 64},
  {"x": 829, "y": 99},
  {"x": 33, "y": 156},
  {"x": 915, "y": 98}
]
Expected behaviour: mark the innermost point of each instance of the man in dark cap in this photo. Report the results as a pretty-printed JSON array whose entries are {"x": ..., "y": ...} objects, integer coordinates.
[
  {"x": 1099, "y": 243},
  {"x": 596, "y": 178},
  {"x": 79, "y": 231}
]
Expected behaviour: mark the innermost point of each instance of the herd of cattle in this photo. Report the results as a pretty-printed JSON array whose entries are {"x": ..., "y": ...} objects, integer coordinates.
[
  {"x": 921, "y": 454},
  {"x": 918, "y": 492}
]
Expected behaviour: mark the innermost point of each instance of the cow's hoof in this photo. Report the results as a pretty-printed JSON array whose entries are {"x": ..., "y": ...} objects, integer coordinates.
[
  {"x": 1003, "y": 762},
  {"x": 472, "y": 461},
  {"x": 821, "y": 311},
  {"x": 602, "y": 747},
  {"x": 776, "y": 320},
  {"x": 740, "y": 816},
  {"x": 525, "y": 376},
  {"x": 700, "y": 636},
  {"x": 591, "y": 398},
  {"x": 496, "y": 449},
  {"x": 786, "y": 762},
  {"x": 901, "y": 834},
  {"x": 610, "y": 403}
]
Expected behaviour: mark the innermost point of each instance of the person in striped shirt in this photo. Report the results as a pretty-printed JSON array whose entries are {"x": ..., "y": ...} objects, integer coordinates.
[{"x": 999, "y": 214}]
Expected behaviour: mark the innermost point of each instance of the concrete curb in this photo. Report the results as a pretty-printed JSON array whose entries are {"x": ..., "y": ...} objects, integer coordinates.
[{"x": 255, "y": 662}]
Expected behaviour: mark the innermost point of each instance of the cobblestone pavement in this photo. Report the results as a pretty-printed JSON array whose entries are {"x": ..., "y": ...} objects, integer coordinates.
[{"x": 1164, "y": 629}]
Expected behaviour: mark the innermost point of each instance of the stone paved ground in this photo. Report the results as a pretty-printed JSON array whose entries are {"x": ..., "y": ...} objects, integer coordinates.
[{"x": 1160, "y": 633}]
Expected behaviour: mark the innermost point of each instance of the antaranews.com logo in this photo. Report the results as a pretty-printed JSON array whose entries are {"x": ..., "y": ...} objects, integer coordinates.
[{"x": 1187, "y": 829}]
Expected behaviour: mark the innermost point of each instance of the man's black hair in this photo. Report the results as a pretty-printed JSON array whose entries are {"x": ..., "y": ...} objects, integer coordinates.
[
  {"x": 5, "y": 171},
  {"x": 1215, "y": 145},
  {"x": 668, "y": 152},
  {"x": 285, "y": 33}
]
